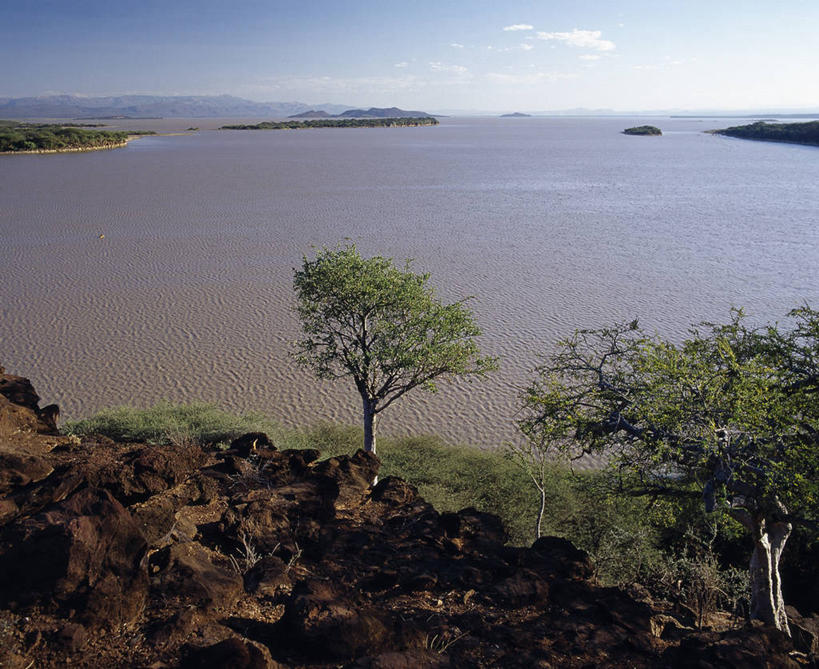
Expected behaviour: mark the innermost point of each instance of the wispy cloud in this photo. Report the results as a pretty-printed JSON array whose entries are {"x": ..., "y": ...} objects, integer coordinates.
[
  {"x": 667, "y": 63},
  {"x": 518, "y": 26},
  {"x": 437, "y": 66},
  {"x": 584, "y": 39},
  {"x": 589, "y": 56},
  {"x": 528, "y": 78},
  {"x": 403, "y": 63},
  {"x": 526, "y": 46},
  {"x": 456, "y": 45}
]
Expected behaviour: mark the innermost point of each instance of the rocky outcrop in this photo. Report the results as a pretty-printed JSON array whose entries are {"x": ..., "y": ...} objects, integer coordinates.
[{"x": 136, "y": 555}]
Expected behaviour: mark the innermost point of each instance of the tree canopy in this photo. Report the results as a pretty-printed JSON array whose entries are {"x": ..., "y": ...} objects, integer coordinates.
[
  {"x": 730, "y": 414},
  {"x": 382, "y": 326}
]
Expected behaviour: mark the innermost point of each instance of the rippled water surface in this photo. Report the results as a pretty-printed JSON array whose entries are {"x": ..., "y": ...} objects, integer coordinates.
[{"x": 552, "y": 224}]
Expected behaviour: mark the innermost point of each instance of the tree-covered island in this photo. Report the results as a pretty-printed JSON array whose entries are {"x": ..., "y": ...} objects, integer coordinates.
[
  {"x": 643, "y": 130},
  {"x": 792, "y": 133},
  {"x": 18, "y": 137},
  {"x": 336, "y": 123}
]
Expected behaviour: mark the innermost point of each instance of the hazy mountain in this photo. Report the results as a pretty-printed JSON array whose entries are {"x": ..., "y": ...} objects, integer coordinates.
[
  {"x": 382, "y": 112},
  {"x": 72, "y": 106},
  {"x": 313, "y": 113}
]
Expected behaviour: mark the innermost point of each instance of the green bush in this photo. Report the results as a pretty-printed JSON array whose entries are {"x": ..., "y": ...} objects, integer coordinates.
[{"x": 164, "y": 422}]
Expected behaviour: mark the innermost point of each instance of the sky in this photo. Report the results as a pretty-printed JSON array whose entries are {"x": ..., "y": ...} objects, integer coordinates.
[{"x": 510, "y": 55}]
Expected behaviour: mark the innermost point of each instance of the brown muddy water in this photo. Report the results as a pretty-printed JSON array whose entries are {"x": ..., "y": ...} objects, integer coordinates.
[{"x": 551, "y": 223}]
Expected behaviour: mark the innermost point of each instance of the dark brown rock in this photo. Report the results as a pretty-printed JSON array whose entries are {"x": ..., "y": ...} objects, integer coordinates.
[
  {"x": 319, "y": 622},
  {"x": 250, "y": 443},
  {"x": 352, "y": 476},
  {"x": 267, "y": 577},
  {"x": 234, "y": 653},
  {"x": 187, "y": 575},
  {"x": 394, "y": 492},
  {"x": 755, "y": 646},
  {"x": 409, "y": 659},
  {"x": 18, "y": 470},
  {"x": 83, "y": 554}
]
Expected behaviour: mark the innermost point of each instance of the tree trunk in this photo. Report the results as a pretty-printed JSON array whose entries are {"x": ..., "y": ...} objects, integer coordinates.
[
  {"x": 369, "y": 425},
  {"x": 767, "y": 603},
  {"x": 540, "y": 512}
]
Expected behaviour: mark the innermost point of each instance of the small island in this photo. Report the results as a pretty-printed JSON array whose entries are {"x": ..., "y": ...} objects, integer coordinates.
[
  {"x": 791, "y": 133},
  {"x": 516, "y": 115},
  {"x": 337, "y": 123},
  {"x": 18, "y": 137},
  {"x": 647, "y": 130}
]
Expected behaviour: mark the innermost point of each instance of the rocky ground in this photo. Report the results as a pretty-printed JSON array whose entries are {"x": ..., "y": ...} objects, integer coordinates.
[{"x": 135, "y": 555}]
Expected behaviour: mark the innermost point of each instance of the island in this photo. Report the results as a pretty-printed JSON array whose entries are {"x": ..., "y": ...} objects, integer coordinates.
[
  {"x": 337, "y": 123},
  {"x": 791, "y": 133},
  {"x": 19, "y": 137},
  {"x": 648, "y": 130},
  {"x": 372, "y": 112},
  {"x": 516, "y": 115}
]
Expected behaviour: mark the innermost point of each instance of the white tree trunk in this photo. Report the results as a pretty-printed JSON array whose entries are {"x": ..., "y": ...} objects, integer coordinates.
[
  {"x": 540, "y": 512},
  {"x": 369, "y": 425},
  {"x": 767, "y": 603}
]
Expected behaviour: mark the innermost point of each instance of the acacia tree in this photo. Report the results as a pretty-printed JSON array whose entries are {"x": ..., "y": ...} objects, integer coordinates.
[
  {"x": 382, "y": 326},
  {"x": 730, "y": 415}
]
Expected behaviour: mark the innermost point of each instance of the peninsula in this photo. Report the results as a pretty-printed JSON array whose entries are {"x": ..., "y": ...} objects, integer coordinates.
[
  {"x": 792, "y": 133},
  {"x": 16, "y": 137},
  {"x": 337, "y": 123},
  {"x": 516, "y": 115}
]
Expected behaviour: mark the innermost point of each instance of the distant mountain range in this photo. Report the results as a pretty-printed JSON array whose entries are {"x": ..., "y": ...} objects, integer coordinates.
[
  {"x": 147, "y": 106},
  {"x": 372, "y": 112}
]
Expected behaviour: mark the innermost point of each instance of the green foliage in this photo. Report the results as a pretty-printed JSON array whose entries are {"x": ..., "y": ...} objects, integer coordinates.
[
  {"x": 796, "y": 133},
  {"x": 382, "y": 326},
  {"x": 15, "y": 137},
  {"x": 729, "y": 413},
  {"x": 643, "y": 130},
  {"x": 337, "y": 123},
  {"x": 204, "y": 423}
]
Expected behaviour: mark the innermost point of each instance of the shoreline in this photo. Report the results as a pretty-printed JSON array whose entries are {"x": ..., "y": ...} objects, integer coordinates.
[{"x": 76, "y": 149}]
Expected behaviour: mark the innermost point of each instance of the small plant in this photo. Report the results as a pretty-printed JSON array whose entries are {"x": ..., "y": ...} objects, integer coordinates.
[
  {"x": 440, "y": 643},
  {"x": 248, "y": 556}
]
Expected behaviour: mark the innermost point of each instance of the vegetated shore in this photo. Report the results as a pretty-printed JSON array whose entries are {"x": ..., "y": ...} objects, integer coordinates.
[
  {"x": 75, "y": 149},
  {"x": 788, "y": 133},
  {"x": 255, "y": 553},
  {"x": 400, "y": 122}
]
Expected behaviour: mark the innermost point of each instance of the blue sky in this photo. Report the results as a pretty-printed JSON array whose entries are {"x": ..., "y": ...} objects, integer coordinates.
[{"x": 513, "y": 55}]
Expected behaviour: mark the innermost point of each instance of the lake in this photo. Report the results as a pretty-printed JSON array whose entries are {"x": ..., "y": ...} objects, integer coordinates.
[{"x": 550, "y": 223}]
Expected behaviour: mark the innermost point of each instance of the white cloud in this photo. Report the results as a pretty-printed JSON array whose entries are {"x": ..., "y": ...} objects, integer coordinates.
[
  {"x": 518, "y": 26},
  {"x": 403, "y": 63},
  {"x": 529, "y": 78},
  {"x": 526, "y": 47},
  {"x": 456, "y": 45},
  {"x": 590, "y": 56},
  {"x": 437, "y": 66},
  {"x": 584, "y": 39}
]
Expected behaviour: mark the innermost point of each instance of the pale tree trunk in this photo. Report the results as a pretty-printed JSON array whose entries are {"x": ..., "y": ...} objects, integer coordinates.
[
  {"x": 370, "y": 424},
  {"x": 540, "y": 512},
  {"x": 767, "y": 603}
]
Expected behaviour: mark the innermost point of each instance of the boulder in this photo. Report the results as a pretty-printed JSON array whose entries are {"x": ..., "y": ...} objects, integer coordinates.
[
  {"x": 232, "y": 652},
  {"x": 320, "y": 621},
  {"x": 83, "y": 554},
  {"x": 187, "y": 576}
]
